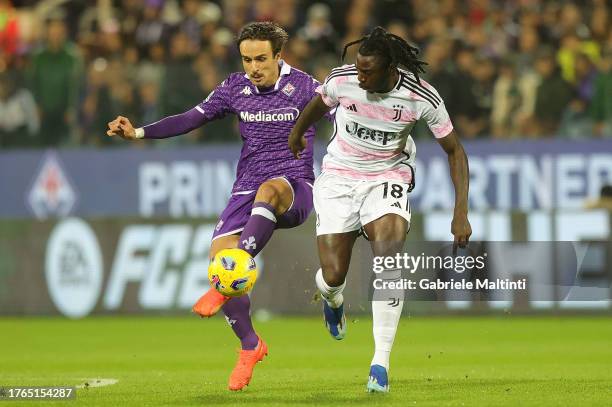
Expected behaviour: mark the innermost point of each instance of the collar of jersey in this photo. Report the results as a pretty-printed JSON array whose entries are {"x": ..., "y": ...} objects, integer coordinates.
[{"x": 285, "y": 69}]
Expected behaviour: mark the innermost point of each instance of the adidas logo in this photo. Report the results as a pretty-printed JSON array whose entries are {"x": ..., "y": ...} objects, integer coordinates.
[
  {"x": 246, "y": 91},
  {"x": 352, "y": 108},
  {"x": 397, "y": 205}
]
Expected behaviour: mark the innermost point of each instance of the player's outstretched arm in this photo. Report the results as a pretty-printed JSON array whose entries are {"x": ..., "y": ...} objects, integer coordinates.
[
  {"x": 313, "y": 112},
  {"x": 460, "y": 174},
  {"x": 167, "y": 127}
]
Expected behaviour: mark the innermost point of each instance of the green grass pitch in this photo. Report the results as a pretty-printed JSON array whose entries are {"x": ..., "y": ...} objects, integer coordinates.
[{"x": 439, "y": 361}]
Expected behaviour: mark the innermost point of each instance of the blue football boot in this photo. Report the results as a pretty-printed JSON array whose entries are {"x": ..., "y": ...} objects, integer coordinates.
[
  {"x": 335, "y": 321},
  {"x": 377, "y": 381}
]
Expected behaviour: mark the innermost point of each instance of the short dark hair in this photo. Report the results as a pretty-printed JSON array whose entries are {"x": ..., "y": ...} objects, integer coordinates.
[
  {"x": 392, "y": 49},
  {"x": 264, "y": 31}
]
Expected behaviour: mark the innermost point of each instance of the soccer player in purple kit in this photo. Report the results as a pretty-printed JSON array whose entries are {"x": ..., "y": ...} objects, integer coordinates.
[{"x": 272, "y": 190}]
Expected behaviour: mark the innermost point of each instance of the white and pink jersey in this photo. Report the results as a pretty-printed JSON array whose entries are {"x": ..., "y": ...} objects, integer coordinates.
[{"x": 371, "y": 139}]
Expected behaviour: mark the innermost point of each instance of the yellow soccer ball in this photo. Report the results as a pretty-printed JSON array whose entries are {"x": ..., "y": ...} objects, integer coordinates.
[{"x": 232, "y": 272}]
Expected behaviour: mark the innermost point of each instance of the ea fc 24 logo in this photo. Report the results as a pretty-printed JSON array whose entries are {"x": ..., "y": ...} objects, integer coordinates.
[
  {"x": 51, "y": 193},
  {"x": 73, "y": 268}
]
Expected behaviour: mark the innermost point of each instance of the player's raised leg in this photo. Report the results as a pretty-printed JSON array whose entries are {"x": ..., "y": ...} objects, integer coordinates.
[
  {"x": 335, "y": 256},
  {"x": 273, "y": 197},
  {"x": 387, "y": 235}
]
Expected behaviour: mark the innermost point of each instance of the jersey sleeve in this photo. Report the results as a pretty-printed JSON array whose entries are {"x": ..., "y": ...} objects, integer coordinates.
[
  {"x": 218, "y": 102},
  {"x": 437, "y": 119},
  {"x": 329, "y": 92},
  {"x": 315, "y": 86}
]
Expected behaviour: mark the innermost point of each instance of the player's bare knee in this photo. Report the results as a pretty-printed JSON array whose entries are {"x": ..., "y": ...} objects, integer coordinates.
[
  {"x": 277, "y": 193},
  {"x": 389, "y": 228},
  {"x": 333, "y": 276},
  {"x": 387, "y": 247},
  {"x": 269, "y": 194},
  {"x": 224, "y": 242}
]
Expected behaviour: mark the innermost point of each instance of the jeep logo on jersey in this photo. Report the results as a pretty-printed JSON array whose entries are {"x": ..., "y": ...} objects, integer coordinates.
[
  {"x": 51, "y": 194},
  {"x": 285, "y": 114},
  {"x": 365, "y": 133}
]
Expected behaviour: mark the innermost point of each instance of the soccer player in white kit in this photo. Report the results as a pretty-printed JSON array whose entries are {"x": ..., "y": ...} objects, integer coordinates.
[{"x": 368, "y": 172}]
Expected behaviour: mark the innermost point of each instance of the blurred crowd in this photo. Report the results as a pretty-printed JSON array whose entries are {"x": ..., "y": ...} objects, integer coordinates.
[{"x": 506, "y": 69}]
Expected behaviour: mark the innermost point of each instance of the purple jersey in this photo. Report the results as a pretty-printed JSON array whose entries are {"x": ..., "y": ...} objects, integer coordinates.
[{"x": 265, "y": 120}]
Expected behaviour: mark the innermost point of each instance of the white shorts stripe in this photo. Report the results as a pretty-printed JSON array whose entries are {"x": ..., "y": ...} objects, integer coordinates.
[{"x": 231, "y": 232}]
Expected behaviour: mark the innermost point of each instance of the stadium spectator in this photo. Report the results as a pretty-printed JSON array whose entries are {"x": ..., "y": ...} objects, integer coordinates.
[
  {"x": 107, "y": 92},
  {"x": 441, "y": 74},
  {"x": 318, "y": 30},
  {"x": 469, "y": 119},
  {"x": 54, "y": 80},
  {"x": 191, "y": 23},
  {"x": 483, "y": 74},
  {"x": 513, "y": 100},
  {"x": 601, "y": 108},
  {"x": 297, "y": 53},
  {"x": 180, "y": 84},
  {"x": 151, "y": 29},
  {"x": 600, "y": 21},
  {"x": 209, "y": 16},
  {"x": 576, "y": 121},
  {"x": 221, "y": 50},
  {"x": 553, "y": 95},
  {"x": 505, "y": 101},
  {"x": 571, "y": 47},
  {"x": 528, "y": 45},
  {"x": 9, "y": 29},
  {"x": 19, "y": 122}
]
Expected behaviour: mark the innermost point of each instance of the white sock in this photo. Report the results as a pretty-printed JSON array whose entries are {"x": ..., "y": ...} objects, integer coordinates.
[
  {"x": 386, "y": 312},
  {"x": 333, "y": 295}
]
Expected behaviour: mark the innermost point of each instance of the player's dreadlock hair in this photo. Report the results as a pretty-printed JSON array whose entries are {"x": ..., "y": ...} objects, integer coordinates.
[
  {"x": 264, "y": 31},
  {"x": 393, "y": 49}
]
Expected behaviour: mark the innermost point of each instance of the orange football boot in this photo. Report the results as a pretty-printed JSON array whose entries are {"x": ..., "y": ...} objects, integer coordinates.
[
  {"x": 242, "y": 373},
  {"x": 210, "y": 303}
]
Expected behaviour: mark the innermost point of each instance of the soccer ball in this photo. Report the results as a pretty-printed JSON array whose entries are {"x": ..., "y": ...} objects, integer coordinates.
[{"x": 232, "y": 272}]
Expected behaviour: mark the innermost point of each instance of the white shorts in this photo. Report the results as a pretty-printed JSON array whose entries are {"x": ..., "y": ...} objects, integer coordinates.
[{"x": 344, "y": 204}]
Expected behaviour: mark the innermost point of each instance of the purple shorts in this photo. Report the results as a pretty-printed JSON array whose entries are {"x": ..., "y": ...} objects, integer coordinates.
[{"x": 238, "y": 210}]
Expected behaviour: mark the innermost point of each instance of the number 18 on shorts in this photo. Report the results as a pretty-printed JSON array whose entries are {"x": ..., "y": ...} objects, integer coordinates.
[{"x": 344, "y": 204}]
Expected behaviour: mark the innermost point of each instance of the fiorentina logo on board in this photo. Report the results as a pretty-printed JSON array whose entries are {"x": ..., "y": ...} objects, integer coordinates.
[{"x": 51, "y": 194}]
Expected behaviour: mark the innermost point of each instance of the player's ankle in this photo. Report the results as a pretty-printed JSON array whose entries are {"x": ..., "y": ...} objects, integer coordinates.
[{"x": 334, "y": 301}]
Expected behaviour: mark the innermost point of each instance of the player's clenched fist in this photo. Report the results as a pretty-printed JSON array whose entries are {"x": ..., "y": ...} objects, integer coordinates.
[
  {"x": 297, "y": 143},
  {"x": 121, "y": 127},
  {"x": 462, "y": 230}
]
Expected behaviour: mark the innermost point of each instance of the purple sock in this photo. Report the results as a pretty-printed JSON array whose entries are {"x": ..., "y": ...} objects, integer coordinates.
[
  {"x": 236, "y": 312},
  {"x": 258, "y": 228}
]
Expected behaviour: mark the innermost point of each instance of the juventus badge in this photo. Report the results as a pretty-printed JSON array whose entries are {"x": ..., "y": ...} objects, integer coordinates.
[{"x": 398, "y": 112}]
